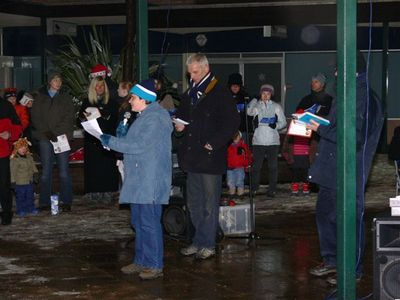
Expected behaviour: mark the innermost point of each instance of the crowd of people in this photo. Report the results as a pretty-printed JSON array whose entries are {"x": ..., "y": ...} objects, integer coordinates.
[{"x": 218, "y": 130}]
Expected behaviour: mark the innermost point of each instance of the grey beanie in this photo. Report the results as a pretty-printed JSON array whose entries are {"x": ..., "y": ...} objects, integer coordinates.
[
  {"x": 267, "y": 88},
  {"x": 319, "y": 77}
]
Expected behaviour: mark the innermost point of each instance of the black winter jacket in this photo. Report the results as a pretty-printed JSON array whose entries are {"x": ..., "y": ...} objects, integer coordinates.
[
  {"x": 213, "y": 120},
  {"x": 323, "y": 170}
]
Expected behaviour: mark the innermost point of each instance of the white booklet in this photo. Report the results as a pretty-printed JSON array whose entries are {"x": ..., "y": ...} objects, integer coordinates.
[
  {"x": 62, "y": 144},
  {"x": 92, "y": 127}
]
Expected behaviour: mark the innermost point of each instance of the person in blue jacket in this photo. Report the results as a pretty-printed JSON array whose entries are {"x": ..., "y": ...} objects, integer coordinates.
[
  {"x": 369, "y": 121},
  {"x": 146, "y": 147}
]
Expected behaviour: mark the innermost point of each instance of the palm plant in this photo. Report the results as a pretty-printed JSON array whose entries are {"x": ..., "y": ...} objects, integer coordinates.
[{"x": 75, "y": 63}]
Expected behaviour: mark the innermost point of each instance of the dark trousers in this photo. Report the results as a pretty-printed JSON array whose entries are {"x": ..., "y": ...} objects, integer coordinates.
[
  {"x": 326, "y": 224},
  {"x": 5, "y": 192},
  {"x": 203, "y": 197},
  {"x": 271, "y": 153},
  {"x": 24, "y": 198}
]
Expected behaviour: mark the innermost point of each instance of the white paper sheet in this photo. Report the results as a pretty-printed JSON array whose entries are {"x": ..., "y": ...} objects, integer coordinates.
[
  {"x": 92, "y": 127},
  {"x": 61, "y": 145},
  {"x": 179, "y": 121}
]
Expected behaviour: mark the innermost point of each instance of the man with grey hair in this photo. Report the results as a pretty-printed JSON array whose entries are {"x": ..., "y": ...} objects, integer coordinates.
[{"x": 212, "y": 120}]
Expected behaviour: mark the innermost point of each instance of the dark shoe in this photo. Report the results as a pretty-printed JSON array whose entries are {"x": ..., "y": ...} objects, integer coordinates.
[
  {"x": 149, "y": 274},
  {"x": 132, "y": 269},
  {"x": 44, "y": 208},
  {"x": 322, "y": 270},
  {"x": 6, "y": 218},
  {"x": 65, "y": 207},
  {"x": 333, "y": 280},
  {"x": 271, "y": 194}
]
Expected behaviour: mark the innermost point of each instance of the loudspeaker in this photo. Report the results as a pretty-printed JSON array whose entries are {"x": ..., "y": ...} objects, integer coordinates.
[
  {"x": 386, "y": 237},
  {"x": 176, "y": 219}
]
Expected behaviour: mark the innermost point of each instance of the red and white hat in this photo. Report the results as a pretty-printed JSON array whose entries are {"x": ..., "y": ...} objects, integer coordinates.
[{"x": 100, "y": 70}]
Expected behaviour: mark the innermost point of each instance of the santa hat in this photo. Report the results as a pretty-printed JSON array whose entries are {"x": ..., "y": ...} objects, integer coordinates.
[
  {"x": 10, "y": 92},
  {"x": 146, "y": 90},
  {"x": 100, "y": 70},
  {"x": 21, "y": 142}
]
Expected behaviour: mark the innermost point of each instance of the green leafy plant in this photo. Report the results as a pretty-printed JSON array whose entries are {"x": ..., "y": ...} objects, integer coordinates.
[{"x": 75, "y": 63}]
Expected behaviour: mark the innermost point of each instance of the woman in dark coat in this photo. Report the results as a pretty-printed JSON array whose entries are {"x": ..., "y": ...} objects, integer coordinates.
[{"x": 101, "y": 174}]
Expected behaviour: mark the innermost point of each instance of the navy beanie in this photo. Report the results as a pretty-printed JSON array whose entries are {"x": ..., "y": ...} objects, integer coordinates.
[
  {"x": 146, "y": 90},
  {"x": 235, "y": 78}
]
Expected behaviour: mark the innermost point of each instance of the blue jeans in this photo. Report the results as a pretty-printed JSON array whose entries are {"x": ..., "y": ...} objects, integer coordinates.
[
  {"x": 235, "y": 177},
  {"x": 326, "y": 224},
  {"x": 47, "y": 157},
  {"x": 24, "y": 198},
  {"x": 149, "y": 246},
  {"x": 203, "y": 197}
]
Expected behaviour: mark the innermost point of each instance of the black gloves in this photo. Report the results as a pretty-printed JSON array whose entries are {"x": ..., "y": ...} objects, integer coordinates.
[
  {"x": 50, "y": 136},
  {"x": 273, "y": 125}
]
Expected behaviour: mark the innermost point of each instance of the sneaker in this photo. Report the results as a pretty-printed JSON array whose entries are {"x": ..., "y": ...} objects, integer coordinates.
[
  {"x": 322, "y": 270},
  {"x": 333, "y": 279},
  {"x": 271, "y": 194},
  {"x": 205, "y": 253},
  {"x": 294, "y": 188},
  {"x": 149, "y": 274},
  {"x": 21, "y": 214},
  {"x": 232, "y": 191},
  {"x": 65, "y": 207},
  {"x": 131, "y": 269},
  {"x": 34, "y": 212},
  {"x": 240, "y": 191},
  {"x": 189, "y": 250}
]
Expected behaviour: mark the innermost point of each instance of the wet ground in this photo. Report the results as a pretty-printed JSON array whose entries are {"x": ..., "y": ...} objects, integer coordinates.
[{"x": 78, "y": 255}]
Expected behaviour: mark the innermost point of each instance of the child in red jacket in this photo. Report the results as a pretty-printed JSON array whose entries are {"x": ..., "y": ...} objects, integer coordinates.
[{"x": 239, "y": 159}]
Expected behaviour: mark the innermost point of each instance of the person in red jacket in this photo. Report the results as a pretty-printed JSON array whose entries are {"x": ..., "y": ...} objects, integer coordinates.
[
  {"x": 10, "y": 94},
  {"x": 10, "y": 129},
  {"x": 239, "y": 160}
]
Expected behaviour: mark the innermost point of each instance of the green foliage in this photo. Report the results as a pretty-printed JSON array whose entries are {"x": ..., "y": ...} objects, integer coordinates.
[{"x": 74, "y": 63}]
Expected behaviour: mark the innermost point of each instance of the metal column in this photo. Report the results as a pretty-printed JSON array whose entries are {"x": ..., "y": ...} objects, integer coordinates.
[
  {"x": 142, "y": 40},
  {"x": 346, "y": 147}
]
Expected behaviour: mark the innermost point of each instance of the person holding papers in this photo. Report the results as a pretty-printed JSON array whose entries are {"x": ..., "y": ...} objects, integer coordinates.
[
  {"x": 99, "y": 161},
  {"x": 148, "y": 175},
  {"x": 269, "y": 119},
  {"x": 369, "y": 121},
  {"x": 53, "y": 116},
  {"x": 212, "y": 120}
]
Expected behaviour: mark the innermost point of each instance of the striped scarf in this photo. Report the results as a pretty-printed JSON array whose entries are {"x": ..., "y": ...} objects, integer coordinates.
[{"x": 197, "y": 90}]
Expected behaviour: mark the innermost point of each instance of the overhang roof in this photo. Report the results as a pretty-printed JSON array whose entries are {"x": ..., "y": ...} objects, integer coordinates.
[{"x": 194, "y": 13}]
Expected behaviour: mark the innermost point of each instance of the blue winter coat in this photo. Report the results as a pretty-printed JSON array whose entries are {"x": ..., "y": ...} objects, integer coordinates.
[
  {"x": 323, "y": 170},
  {"x": 147, "y": 157}
]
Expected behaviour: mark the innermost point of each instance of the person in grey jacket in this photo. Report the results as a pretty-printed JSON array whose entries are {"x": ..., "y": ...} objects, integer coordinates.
[
  {"x": 53, "y": 115},
  {"x": 146, "y": 147},
  {"x": 269, "y": 119}
]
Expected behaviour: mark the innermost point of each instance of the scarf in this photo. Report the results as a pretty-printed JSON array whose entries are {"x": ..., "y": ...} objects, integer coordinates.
[{"x": 196, "y": 91}]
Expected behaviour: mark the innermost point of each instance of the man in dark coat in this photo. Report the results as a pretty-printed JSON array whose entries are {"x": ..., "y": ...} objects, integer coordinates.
[
  {"x": 212, "y": 120},
  {"x": 369, "y": 121},
  {"x": 10, "y": 130}
]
